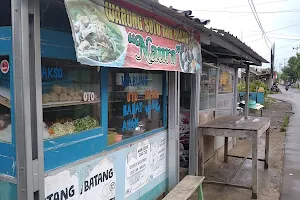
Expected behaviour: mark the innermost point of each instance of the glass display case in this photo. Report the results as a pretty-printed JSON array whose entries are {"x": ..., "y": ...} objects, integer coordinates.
[
  {"x": 135, "y": 103},
  {"x": 71, "y": 98},
  {"x": 5, "y": 106}
]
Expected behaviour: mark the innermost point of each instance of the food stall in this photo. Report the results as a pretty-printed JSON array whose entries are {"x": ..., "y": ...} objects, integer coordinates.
[{"x": 88, "y": 99}]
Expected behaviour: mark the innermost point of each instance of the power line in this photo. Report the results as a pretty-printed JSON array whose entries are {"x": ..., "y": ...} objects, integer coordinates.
[
  {"x": 279, "y": 38},
  {"x": 275, "y": 30},
  {"x": 246, "y": 5},
  {"x": 253, "y": 9},
  {"x": 287, "y": 44},
  {"x": 245, "y": 12}
]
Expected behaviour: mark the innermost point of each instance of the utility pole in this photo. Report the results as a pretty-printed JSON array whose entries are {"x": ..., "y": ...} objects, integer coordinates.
[{"x": 272, "y": 60}]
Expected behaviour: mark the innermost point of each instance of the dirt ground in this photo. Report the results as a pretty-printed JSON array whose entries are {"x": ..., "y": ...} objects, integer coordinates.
[{"x": 269, "y": 180}]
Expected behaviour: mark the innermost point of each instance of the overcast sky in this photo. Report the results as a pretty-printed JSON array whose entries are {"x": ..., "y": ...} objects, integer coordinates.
[{"x": 235, "y": 16}]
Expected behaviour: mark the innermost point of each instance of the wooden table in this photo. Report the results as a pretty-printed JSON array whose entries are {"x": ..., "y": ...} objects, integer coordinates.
[{"x": 238, "y": 126}]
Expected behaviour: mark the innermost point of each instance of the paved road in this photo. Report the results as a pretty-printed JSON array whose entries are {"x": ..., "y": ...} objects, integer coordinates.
[{"x": 291, "y": 163}]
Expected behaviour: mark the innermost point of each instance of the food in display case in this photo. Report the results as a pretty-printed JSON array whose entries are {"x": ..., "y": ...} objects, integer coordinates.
[
  {"x": 71, "y": 97},
  {"x": 60, "y": 93}
]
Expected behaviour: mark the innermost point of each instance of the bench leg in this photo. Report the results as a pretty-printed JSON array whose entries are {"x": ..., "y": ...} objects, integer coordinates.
[
  {"x": 267, "y": 147},
  {"x": 200, "y": 193},
  {"x": 226, "y": 150}
]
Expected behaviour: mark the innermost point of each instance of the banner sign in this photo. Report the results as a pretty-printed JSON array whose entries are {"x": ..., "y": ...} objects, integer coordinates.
[
  {"x": 93, "y": 181},
  {"x": 109, "y": 35},
  {"x": 146, "y": 162}
]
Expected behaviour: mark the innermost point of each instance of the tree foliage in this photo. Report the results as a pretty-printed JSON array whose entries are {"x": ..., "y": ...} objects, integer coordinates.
[{"x": 291, "y": 72}]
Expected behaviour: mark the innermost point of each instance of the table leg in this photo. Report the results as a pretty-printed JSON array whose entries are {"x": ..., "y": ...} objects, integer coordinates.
[
  {"x": 254, "y": 166},
  {"x": 226, "y": 150},
  {"x": 200, "y": 153},
  {"x": 200, "y": 193},
  {"x": 267, "y": 147}
]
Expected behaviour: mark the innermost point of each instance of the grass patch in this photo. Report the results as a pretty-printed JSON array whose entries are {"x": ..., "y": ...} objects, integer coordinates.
[
  {"x": 284, "y": 124},
  {"x": 269, "y": 102}
]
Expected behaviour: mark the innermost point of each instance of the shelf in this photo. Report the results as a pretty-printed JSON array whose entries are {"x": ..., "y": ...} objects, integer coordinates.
[
  {"x": 125, "y": 101},
  {"x": 68, "y": 103}
]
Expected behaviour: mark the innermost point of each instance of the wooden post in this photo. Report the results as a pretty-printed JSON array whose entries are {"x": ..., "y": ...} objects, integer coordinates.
[
  {"x": 200, "y": 153},
  {"x": 194, "y": 123},
  {"x": 254, "y": 166},
  {"x": 246, "y": 112},
  {"x": 226, "y": 150},
  {"x": 267, "y": 146}
]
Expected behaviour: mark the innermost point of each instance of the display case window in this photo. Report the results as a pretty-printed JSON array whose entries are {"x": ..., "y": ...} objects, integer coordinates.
[
  {"x": 208, "y": 88},
  {"x": 135, "y": 103},
  {"x": 5, "y": 107},
  {"x": 71, "y": 98},
  {"x": 225, "y": 81}
]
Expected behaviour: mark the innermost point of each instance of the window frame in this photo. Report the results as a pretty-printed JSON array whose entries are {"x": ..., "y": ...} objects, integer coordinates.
[
  {"x": 60, "y": 45},
  {"x": 216, "y": 87},
  {"x": 8, "y": 156},
  {"x": 89, "y": 142}
]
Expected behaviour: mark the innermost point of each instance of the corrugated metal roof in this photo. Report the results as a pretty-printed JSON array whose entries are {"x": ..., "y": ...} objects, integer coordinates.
[
  {"x": 223, "y": 39},
  {"x": 240, "y": 44}
]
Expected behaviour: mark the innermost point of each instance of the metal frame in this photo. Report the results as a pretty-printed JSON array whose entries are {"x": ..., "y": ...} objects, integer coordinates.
[
  {"x": 194, "y": 121},
  {"x": 173, "y": 129},
  {"x": 28, "y": 95}
]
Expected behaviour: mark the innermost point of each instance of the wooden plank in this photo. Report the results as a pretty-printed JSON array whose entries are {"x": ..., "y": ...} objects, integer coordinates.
[
  {"x": 227, "y": 184},
  {"x": 249, "y": 158},
  {"x": 200, "y": 149},
  {"x": 267, "y": 144},
  {"x": 228, "y": 132},
  {"x": 237, "y": 123},
  {"x": 254, "y": 166},
  {"x": 185, "y": 188},
  {"x": 264, "y": 128}
]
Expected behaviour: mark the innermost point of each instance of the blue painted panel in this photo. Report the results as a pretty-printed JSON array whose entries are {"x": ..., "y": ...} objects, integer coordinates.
[
  {"x": 256, "y": 96},
  {"x": 55, "y": 44},
  {"x": 65, "y": 154},
  {"x": 135, "y": 138},
  {"x": 6, "y": 149},
  {"x": 252, "y": 96},
  {"x": 156, "y": 192},
  {"x": 5, "y": 40},
  {"x": 260, "y": 98},
  {"x": 150, "y": 189},
  {"x": 7, "y": 165},
  {"x": 104, "y": 102},
  {"x": 72, "y": 139},
  {"x": 8, "y": 191}
]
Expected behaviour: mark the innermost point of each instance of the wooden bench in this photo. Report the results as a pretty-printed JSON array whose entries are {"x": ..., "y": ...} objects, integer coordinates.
[
  {"x": 258, "y": 107},
  {"x": 186, "y": 188}
]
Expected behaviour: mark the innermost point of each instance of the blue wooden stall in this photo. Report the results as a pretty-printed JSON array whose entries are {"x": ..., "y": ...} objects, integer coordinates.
[
  {"x": 76, "y": 153},
  {"x": 256, "y": 96}
]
